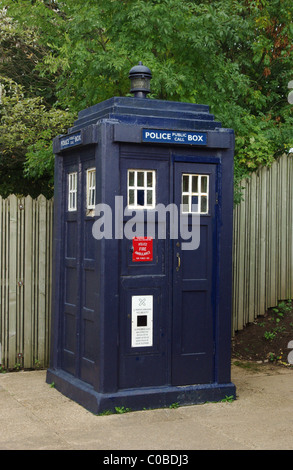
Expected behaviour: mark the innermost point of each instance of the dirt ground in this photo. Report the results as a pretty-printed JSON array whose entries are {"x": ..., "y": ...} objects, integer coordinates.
[{"x": 267, "y": 338}]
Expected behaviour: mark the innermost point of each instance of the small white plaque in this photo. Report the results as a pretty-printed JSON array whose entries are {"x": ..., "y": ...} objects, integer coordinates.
[{"x": 141, "y": 321}]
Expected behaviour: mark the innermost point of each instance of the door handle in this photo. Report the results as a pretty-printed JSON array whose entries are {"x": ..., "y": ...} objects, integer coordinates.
[{"x": 178, "y": 262}]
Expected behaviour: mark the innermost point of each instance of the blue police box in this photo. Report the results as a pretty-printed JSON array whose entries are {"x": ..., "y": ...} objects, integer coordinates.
[{"x": 141, "y": 312}]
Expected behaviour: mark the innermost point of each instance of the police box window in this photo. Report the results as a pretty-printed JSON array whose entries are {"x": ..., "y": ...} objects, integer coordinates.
[
  {"x": 90, "y": 188},
  {"x": 195, "y": 194},
  {"x": 72, "y": 191},
  {"x": 141, "y": 189}
]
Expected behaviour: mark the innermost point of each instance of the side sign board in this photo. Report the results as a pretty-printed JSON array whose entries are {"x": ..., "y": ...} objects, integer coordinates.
[
  {"x": 70, "y": 140},
  {"x": 174, "y": 137}
]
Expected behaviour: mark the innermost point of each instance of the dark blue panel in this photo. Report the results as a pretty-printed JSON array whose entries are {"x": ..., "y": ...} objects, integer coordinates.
[
  {"x": 71, "y": 239},
  {"x": 71, "y": 286},
  {"x": 89, "y": 241},
  {"x": 194, "y": 332}
]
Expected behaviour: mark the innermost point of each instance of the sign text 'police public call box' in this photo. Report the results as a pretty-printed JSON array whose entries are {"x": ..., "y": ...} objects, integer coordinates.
[{"x": 142, "y": 256}]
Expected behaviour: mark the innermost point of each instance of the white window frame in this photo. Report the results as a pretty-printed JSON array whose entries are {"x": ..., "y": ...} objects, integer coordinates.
[
  {"x": 72, "y": 191},
  {"x": 143, "y": 187},
  {"x": 199, "y": 193},
  {"x": 90, "y": 188}
]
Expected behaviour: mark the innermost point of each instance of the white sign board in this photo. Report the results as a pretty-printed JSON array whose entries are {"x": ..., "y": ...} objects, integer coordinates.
[{"x": 141, "y": 321}]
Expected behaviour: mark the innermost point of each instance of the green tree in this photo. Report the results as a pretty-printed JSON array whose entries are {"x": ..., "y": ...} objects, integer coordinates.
[
  {"x": 21, "y": 53},
  {"x": 27, "y": 128},
  {"x": 235, "y": 56}
]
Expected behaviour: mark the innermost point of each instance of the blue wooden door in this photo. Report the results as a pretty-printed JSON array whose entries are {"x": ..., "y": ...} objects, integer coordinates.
[
  {"x": 177, "y": 286},
  {"x": 78, "y": 276},
  {"x": 144, "y": 285},
  {"x": 194, "y": 275}
]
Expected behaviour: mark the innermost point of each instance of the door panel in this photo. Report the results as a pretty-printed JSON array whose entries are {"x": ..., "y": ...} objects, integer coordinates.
[{"x": 193, "y": 288}]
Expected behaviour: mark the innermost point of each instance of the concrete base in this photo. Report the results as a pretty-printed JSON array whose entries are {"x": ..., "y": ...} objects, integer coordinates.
[{"x": 137, "y": 399}]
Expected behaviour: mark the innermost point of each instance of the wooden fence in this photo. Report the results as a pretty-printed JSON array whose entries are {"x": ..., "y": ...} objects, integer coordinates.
[
  {"x": 262, "y": 262},
  {"x": 263, "y": 242},
  {"x": 25, "y": 292}
]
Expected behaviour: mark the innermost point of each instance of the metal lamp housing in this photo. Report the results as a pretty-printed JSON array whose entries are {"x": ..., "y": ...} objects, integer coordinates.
[{"x": 140, "y": 77}]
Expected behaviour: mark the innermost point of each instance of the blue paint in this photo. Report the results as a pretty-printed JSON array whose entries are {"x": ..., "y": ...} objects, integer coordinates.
[{"x": 162, "y": 136}]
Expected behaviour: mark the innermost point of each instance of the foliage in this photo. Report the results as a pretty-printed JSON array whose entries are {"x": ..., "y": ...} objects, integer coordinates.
[
  {"x": 20, "y": 54},
  {"x": 26, "y": 165},
  {"x": 235, "y": 56}
]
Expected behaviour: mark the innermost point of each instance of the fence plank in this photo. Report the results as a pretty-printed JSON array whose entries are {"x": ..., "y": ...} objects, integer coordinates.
[
  {"x": 251, "y": 249},
  {"x": 283, "y": 233},
  {"x": 41, "y": 293},
  {"x": 12, "y": 307},
  {"x": 290, "y": 225},
  {"x": 28, "y": 283},
  {"x": 2, "y": 323}
]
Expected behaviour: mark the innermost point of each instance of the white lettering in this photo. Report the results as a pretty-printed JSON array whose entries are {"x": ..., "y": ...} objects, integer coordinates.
[
  {"x": 158, "y": 459},
  {"x": 174, "y": 136},
  {"x": 114, "y": 460},
  {"x": 195, "y": 138},
  {"x": 135, "y": 225}
]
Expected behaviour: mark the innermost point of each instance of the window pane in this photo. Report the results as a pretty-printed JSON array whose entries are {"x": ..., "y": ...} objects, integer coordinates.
[
  {"x": 140, "y": 197},
  {"x": 185, "y": 202},
  {"x": 91, "y": 179},
  {"x": 131, "y": 178},
  {"x": 204, "y": 204},
  {"x": 149, "y": 179},
  {"x": 194, "y": 202},
  {"x": 131, "y": 197},
  {"x": 140, "y": 179},
  {"x": 92, "y": 197},
  {"x": 185, "y": 183},
  {"x": 149, "y": 197},
  {"x": 204, "y": 184},
  {"x": 195, "y": 184}
]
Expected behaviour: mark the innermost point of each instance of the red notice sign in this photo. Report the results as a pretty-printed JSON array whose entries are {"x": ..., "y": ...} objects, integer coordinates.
[{"x": 142, "y": 249}]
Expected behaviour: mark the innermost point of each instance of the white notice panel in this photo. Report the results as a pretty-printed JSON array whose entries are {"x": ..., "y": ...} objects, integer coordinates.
[{"x": 141, "y": 321}]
